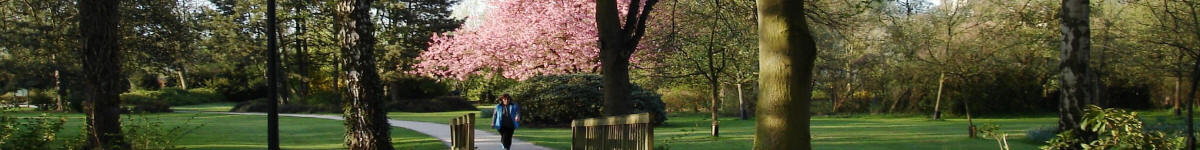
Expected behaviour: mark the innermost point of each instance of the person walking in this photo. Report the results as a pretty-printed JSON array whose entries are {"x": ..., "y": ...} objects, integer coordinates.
[{"x": 508, "y": 114}]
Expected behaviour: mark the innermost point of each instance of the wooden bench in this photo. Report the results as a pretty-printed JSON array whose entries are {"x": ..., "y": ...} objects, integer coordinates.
[
  {"x": 462, "y": 132},
  {"x": 630, "y": 132}
]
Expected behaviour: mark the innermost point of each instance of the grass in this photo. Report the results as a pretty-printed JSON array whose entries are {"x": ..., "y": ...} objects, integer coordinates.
[
  {"x": 691, "y": 131},
  {"x": 220, "y": 131},
  {"x": 865, "y": 132},
  {"x": 683, "y": 131}
]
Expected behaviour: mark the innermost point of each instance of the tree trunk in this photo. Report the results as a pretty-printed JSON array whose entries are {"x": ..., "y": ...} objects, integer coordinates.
[
  {"x": 59, "y": 91},
  {"x": 786, "y": 56},
  {"x": 716, "y": 105},
  {"x": 1191, "y": 136},
  {"x": 101, "y": 59},
  {"x": 1075, "y": 72},
  {"x": 179, "y": 74},
  {"x": 970, "y": 122},
  {"x": 366, "y": 122},
  {"x": 1175, "y": 100},
  {"x": 741, "y": 102},
  {"x": 1191, "y": 131},
  {"x": 834, "y": 100},
  {"x": 617, "y": 44},
  {"x": 937, "y": 111}
]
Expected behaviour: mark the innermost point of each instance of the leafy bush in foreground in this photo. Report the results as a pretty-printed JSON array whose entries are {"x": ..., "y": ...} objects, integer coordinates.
[{"x": 1115, "y": 129}]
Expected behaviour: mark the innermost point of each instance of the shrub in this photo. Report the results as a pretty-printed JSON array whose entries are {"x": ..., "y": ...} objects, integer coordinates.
[
  {"x": 29, "y": 133},
  {"x": 405, "y": 86},
  {"x": 684, "y": 99},
  {"x": 557, "y": 99},
  {"x": 238, "y": 88},
  {"x": 1115, "y": 129},
  {"x": 172, "y": 96}
]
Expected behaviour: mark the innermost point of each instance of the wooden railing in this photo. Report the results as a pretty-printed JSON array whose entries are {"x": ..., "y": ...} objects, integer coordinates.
[
  {"x": 630, "y": 132},
  {"x": 462, "y": 132}
]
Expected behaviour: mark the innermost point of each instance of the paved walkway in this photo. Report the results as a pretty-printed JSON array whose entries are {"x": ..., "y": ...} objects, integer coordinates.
[{"x": 483, "y": 140}]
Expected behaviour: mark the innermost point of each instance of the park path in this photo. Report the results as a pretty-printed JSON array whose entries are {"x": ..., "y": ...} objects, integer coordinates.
[{"x": 483, "y": 140}]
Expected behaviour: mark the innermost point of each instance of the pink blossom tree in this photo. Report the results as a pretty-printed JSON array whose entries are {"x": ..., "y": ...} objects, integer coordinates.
[{"x": 519, "y": 39}]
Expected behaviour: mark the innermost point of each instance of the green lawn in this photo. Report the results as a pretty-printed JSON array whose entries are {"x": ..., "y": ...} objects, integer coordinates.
[
  {"x": 219, "y": 131},
  {"x": 683, "y": 131},
  {"x": 691, "y": 131}
]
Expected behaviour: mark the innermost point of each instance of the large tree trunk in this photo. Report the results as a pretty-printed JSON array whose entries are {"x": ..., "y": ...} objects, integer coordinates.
[
  {"x": 617, "y": 44},
  {"x": 366, "y": 122},
  {"x": 1076, "y": 92},
  {"x": 102, "y": 72},
  {"x": 786, "y": 56},
  {"x": 272, "y": 76}
]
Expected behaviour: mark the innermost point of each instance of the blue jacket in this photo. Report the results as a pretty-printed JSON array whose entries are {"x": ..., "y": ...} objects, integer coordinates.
[{"x": 513, "y": 109}]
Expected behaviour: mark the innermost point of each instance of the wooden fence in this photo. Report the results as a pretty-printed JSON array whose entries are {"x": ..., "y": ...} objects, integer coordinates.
[
  {"x": 462, "y": 132},
  {"x": 630, "y": 132}
]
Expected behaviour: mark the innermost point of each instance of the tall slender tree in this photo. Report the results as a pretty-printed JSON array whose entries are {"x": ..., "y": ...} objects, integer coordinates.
[
  {"x": 101, "y": 59},
  {"x": 786, "y": 55},
  {"x": 366, "y": 122},
  {"x": 617, "y": 44},
  {"x": 1076, "y": 85}
]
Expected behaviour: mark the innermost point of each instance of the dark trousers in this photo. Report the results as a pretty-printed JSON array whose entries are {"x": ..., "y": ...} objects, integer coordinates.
[{"x": 506, "y": 134}]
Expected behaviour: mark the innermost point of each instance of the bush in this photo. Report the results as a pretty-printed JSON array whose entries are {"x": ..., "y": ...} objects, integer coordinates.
[
  {"x": 172, "y": 96},
  {"x": 684, "y": 99},
  {"x": 29, "y": 133},
  {"x": 558, "y": 99},
  {"x": 239, "y": 89},
  {"x": 439, "y": 104},
  {"x": 1115, "y": 129},
  {"x": 405, "y": 86}
]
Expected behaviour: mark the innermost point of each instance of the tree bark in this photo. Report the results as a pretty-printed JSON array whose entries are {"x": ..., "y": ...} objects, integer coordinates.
[
  {"x": 617, "y": 44},
  {"x": 1075, "y": 49},
  {"x": 101, "y": 59},
  {"x": 786, "y": 56},
  {"x": 366, "y": 122}
]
